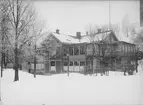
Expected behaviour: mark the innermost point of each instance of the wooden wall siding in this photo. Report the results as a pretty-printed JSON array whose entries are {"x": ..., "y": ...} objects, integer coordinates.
[
  {"x": 77, "y": 57},
  {"x": 120, "y": 49}
]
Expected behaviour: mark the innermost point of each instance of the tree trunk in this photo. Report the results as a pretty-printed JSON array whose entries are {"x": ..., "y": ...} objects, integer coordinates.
[
  {"x": 93, "y": 53},
  {"x": 4, "y": 60},
  {"x": 136, "y": 62},
  {"x": 35, "y": 63},
  {"x": 2, "y": 63},
  {"x": 16, "y": 77}
]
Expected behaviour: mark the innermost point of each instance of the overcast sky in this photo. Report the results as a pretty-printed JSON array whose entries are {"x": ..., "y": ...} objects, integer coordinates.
[{"x": 72, "y": 16}]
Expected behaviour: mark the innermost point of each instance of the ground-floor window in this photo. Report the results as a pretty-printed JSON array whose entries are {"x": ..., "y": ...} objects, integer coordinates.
[
  {"x": 76, "y": 63},
  {"x": 82, "y": 63},
  {"x": 65, "y": 63},
  {"x": 53, "y": 66},
  {"x": 71, "y": 63},
  {"x": 53, "y": 63}
]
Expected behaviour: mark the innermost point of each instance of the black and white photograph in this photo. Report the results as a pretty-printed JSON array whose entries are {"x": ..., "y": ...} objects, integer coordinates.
[{"x": 71, "y": 52}]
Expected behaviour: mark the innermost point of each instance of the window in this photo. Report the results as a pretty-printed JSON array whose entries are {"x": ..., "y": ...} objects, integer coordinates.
[
  {"x": 123, "y": 48},
  {"x": 76, "y": 63},
  {"x": 65, "y": 63},
  {"x": 71, "y": 50},
  {"x": 52, "y": 63},
  {"x": 133, "y": 48},
  {"x": 71, "y": 63},
  {"x": 65, "y": 51},
  {"x": 96, "y": 48},
  {"x": 82, "y": 50},
  {"x": 76, "y": 50},
  {"x": 82, "y": 63},
  {"x": 118, "y": 48},
  {"x": 126, "y": 48},
  {"x": 130, "y": 48}
]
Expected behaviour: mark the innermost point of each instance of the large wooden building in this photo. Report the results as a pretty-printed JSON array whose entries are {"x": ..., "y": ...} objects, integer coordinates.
[{"x": 84, "y": 54}]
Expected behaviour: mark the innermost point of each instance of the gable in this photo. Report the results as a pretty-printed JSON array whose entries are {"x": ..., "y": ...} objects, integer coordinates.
[
  {"x": 111, "y": 37},
  {"x": 52, "y": 41}
]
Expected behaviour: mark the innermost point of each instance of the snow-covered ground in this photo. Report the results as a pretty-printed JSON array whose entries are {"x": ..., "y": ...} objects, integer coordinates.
[{"x": 77, "y": 89}]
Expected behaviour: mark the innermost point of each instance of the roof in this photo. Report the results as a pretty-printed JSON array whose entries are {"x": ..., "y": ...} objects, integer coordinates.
[
  {"x": 108, "y": 36},
  {"x": 63, "y": 38}
]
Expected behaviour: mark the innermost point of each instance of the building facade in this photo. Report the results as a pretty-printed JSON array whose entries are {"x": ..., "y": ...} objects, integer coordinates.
[{"x": 80, "y": 54}]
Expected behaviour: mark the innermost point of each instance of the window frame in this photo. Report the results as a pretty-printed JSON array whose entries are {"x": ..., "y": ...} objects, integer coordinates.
[{"x": 82, "y": 50}]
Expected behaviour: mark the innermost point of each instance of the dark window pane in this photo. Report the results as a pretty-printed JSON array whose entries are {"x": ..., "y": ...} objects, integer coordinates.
[
  {"x": 65, "y": 63},
  {"x": 71, "y": 63},
  {"x": 76, "y": 50},
  {"x": 82, "y": 63},
  {"x": 76, "y": 63},
  {"x": 65, "y": 51},
  {"x": 52, "y": 63},
  {"x": 71, "y": 50},
  {"x": 82, "y": 50}
]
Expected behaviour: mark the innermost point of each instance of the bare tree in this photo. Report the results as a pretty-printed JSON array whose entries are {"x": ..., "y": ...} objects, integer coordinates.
[
  {"x": 21, "y": 16},
  {"x": 37, "y": 29},
  {"x": 101, "y": 48},
  {"x": 3, "y": 31}
]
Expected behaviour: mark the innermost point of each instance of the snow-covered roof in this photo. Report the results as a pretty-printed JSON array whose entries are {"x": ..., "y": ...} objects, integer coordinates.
[
  {"x": 70, "y": 39},
  {"x": 41, "y": 38},
  {"x": 63, "y": 38}
]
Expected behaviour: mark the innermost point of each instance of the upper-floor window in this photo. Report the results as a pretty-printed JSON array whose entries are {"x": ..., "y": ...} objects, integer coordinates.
[
  {"x": 76, "y": 50},
  {"x": 133, "y": 48},
  {"x": 82, "y": 50},
  {"x": 126, "y": 48},
  {"x": 118, "y": 48},
  {"x": 130, "y": 49},
  {"x": 71, "y": 50},
  {"x": 65, "y": 51}
]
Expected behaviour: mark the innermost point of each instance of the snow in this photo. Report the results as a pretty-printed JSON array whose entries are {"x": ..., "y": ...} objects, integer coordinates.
[
  {"x": 77, "y": 89},
  {"x": 84, "y": 39},
  {"x": 66, "y": 38}
]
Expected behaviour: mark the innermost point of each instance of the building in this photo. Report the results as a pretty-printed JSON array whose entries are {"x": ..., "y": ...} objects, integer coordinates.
[{"x": 85, "y": 54}]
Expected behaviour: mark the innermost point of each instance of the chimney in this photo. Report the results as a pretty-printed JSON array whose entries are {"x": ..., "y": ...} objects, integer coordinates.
[
  {"x": 78, "y": 35},
  {"x": 57, "y": 31}
]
